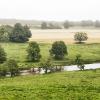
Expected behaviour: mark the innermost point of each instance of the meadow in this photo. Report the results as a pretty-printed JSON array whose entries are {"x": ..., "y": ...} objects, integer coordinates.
[
  {"x": 90, "y": 52},
  {"x": 77, "y": 85}
]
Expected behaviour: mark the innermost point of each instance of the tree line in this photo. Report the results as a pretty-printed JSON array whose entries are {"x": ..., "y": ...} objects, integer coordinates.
[
  {"x": 18, "y": 33},
  {"x": 67, "y": 24}
]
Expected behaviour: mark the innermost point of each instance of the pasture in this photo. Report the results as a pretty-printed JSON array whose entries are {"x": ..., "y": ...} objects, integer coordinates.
[
  {"x": 79, "y": 85},
  {"x": 90, "y": 52}
]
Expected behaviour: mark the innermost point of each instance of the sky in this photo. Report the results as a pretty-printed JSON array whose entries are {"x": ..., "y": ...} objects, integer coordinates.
[{"x": 57, "y": 10}]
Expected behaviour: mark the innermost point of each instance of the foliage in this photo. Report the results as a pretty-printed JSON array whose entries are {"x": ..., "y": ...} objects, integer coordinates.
[
  {"x": 66, "y": 24},
  {"x": 27, "y": 31},
  {"x": 97, "y": 23},
  {"x": 20, "y": 33},
  {"x": 33, "y": 51},
  {"x": 58, "y": 50},
  {"x": 79, "y": 62},
  {"x": 80, "y": 36},
  {"x": 3, "y": 69},
  {"x": 54, "y": 26},
  {"x": 2, "y": 55},
  {"x": 46, "y": 65},
  {"x": 44, "y": 25},
  {"x": 4, "y": 37},
  {"x": 12, "y": 67}
]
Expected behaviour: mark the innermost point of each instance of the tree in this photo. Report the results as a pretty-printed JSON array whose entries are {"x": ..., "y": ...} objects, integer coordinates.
[
  {"x": 3, "y": 70},
  {"x": 12, "y": 67},
  {"x": 33, "y": 51},
  {"x": 5, "y": 30},
  {"x": 27, "y": 31},
  {"x": 44, "y": 25},
  {"x": 80, "y": 36},
  {"x": 3, "y": 35},
  {"x": 2, "y": 55},
  {"x": 58, "y": 50},
  {"x": 19, "y": 33},
  {"x": 97, "y": 23},
  {"x": 66, "y": 24},
  {"x": 46, "y": 65},
  {"x": 79, "y": 62}
]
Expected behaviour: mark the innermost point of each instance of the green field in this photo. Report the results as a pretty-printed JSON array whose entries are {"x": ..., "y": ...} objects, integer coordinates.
[
  {"x": 90, "y": 52},
  {"x": 79, "y": 85}
]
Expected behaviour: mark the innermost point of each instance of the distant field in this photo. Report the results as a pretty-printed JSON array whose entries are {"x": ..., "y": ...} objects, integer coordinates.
[{"x": 49, "y": 36}]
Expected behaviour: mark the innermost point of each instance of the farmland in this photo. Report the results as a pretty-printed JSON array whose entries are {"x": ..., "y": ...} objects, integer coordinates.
[{"x": 50, "y": 36}]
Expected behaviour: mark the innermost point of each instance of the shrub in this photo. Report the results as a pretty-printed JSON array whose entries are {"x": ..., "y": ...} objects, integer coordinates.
[
  {"x": 2, "y": 55},
  {"x": 80, "y": 36},
  {"x": 79, "y": 62},
  {"x": 12, "y": 67},
  {"x": 33, "y": 51},
  {"x": 58, "y": 50},
  {"x": 3, "y": 70},
  {"x": 46, "y": 65}
]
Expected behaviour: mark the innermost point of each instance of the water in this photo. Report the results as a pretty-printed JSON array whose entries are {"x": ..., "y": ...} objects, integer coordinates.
[
  {"x": 87, "y": 66},
  {"x": 66, "y": 68}
]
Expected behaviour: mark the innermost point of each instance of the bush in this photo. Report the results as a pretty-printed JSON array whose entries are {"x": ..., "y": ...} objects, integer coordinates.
[
  {"x": 80, "y": 36},
  {"x": 2, "y": 55},
  {"x": 33, "y": 51},
  {"x": 12, "y": 67},
  {"x": 79, "y": 62},
  {"x": 46, "y": 65},
  {"x": 58, "y": 50},
  {"x": 3, "y": 70}
]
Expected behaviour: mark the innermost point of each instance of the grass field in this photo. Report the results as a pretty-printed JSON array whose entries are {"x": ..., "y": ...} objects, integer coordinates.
[
  {"x": 79, "y": 85},
  {"x": 49, "y": 36},
  {"x": 90, "y": 52}
]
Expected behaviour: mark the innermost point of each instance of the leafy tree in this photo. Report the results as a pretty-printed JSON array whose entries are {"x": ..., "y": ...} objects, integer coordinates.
[
  {"x": 66, "y": 24},
  {"x": 12, "y": 67},
  {"x": 3, "y": 70},
  {"x": 2, "y": 32},
  {"x": 44, "y": 25},
  {"x": 19, "y": 33},
  {"x": 27, "y": 31},
  {"x": 2, "y": 55},
  {"x": 33, "y": 51},
  {"x": 46, "y": 65},
  {"x": 79, "y": 62},
  {"x": 5, "y": 30},
  {"x": 80, "y": 36},
  {"x": 58, "y": 50},
  {"x": 97, "y": 23}
]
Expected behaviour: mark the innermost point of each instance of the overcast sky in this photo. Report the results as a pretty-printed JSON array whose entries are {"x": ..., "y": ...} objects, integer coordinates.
[{"x": 58, "y": 10}]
